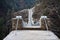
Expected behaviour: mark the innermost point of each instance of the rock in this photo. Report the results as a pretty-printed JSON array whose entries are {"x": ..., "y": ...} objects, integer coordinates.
[
  {"x": 14, "y": 24},
  {"x": 23, "y": 13}
]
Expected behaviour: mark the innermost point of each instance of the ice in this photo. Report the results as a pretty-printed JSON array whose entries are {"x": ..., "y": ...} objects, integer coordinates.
[{"x": 31, "y": 35}]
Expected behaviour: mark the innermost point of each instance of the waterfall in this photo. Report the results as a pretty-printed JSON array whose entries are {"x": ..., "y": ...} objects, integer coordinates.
[
  {"x": 30, "y": 23},
  {"x": 24, "y": 23},
  {"x": 30, "y": 17}
]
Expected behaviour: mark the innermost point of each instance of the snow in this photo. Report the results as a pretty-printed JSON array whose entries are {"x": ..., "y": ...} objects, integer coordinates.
[
  {"x": 19, "y": 17},
  {"x": 31, "y": 35},
  {"x": 43, "y": 16},
  {"x": 32, "y": 27}
]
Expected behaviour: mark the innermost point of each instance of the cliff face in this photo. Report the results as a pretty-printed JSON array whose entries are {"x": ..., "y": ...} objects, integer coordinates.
[
  {"x": 51, "y": 9},
  {"x": 23, "y": 13}
]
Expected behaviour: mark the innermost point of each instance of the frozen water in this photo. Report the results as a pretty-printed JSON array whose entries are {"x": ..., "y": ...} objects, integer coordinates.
[
  {"x": 31, "y": 35},
  {"x": 19, "y": 17}
]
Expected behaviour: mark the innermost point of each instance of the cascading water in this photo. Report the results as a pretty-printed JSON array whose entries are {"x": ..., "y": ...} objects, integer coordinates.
[
  {"x": 31, "y": 23},
  {"x": 30, "y": 17}
]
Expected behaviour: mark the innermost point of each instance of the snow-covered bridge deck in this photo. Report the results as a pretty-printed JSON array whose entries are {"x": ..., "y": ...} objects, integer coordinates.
[{"x": 31, "y": 35}]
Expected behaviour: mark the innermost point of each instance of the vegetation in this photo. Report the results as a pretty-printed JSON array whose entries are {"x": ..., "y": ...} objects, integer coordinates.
[
  {"x": 7, "y": 7},
  {"x": 51, "y": 9}
]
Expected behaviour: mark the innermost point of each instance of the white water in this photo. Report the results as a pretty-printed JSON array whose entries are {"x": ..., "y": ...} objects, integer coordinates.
[
  {"x": 25, "y": 24},
  {"x": 30, "y": 23},
  {"x": 30, "y": 17}
]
